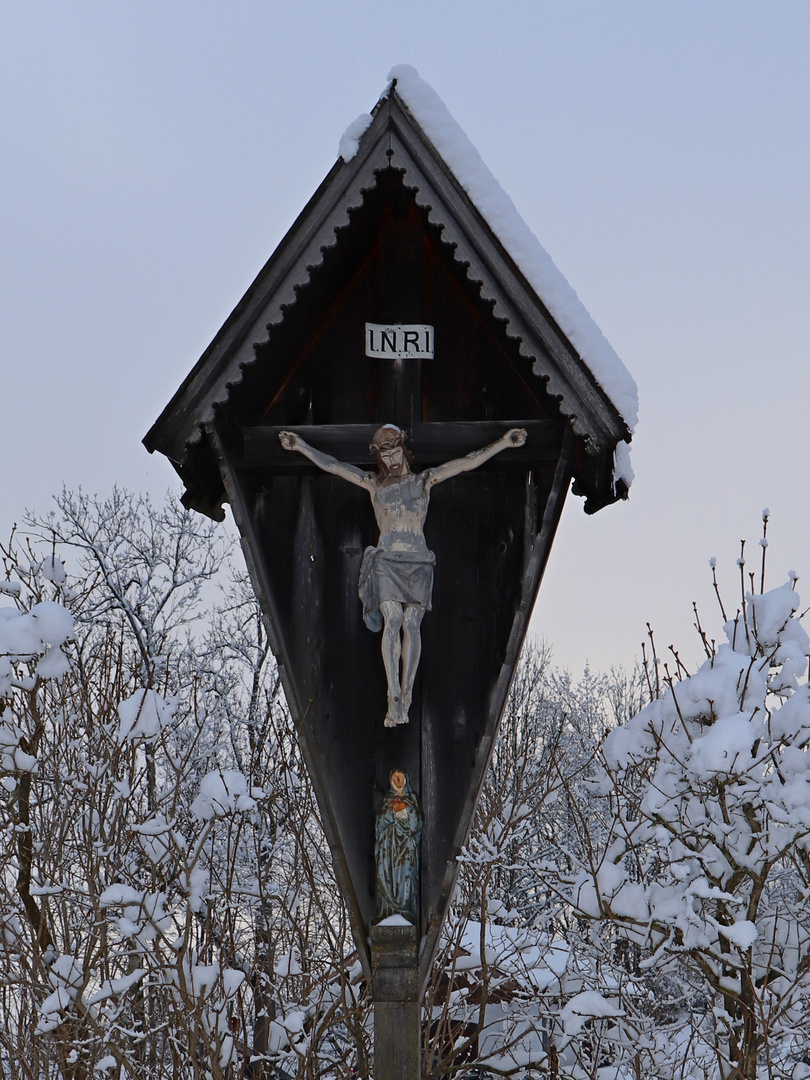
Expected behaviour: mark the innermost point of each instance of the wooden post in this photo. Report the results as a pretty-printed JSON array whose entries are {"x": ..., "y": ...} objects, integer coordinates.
[{"x": 397, "y": 1008}]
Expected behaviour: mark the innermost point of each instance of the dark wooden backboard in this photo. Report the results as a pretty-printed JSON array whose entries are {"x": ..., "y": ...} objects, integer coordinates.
[{"x": 304, "y": 532}]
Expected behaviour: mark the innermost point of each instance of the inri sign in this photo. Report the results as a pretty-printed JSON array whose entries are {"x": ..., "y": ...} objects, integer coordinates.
[{"x": 393, "y": 342}]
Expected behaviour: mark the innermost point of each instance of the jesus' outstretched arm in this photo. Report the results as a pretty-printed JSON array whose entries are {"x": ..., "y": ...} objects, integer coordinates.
[
  {"x": 513, "y": 437},
  {"x": 290, "y": 441}
]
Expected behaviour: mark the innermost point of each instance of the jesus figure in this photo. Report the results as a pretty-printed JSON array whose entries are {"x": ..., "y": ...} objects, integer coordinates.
[{"x": 396, "y": 576}]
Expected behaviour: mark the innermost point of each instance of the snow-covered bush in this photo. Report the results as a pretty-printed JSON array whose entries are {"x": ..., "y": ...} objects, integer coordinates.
[
  {"x": 160, "y": 858},
  {"x": 521, "y": 986},
  {"x": 705, "y": 872}
]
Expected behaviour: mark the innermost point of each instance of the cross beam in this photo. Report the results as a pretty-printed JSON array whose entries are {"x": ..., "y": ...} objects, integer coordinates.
[{"x": 431, "y": 444}]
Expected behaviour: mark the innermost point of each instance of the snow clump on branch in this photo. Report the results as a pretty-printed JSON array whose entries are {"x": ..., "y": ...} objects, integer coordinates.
[{"x": 225, "y": 792}]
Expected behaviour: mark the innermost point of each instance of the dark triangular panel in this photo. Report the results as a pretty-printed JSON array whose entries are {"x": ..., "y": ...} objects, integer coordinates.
[{"x": 308, "y": 531}]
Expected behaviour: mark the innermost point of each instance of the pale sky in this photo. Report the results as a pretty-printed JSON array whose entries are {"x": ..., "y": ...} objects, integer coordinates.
[{"x": 153, "y": 154}]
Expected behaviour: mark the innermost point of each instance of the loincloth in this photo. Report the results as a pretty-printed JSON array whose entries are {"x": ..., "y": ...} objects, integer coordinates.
[{"x": 403, "y": 576}]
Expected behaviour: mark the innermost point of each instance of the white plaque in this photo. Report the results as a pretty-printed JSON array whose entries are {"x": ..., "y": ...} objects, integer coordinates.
[{"x": 399, "y": 341}]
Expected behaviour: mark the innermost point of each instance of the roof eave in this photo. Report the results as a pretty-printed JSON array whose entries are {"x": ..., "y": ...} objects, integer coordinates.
[{"x": 180, "y": 419}]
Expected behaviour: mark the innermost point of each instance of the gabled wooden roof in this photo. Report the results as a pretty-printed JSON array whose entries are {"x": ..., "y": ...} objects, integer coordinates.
[{"x": 393, "y": 140}]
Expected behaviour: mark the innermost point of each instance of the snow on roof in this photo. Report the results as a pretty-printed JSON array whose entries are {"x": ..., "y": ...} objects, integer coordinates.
[{"x": 501, "y": 215}]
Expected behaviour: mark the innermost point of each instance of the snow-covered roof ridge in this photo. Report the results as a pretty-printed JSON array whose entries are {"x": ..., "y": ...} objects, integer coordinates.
[
  {"x": 500, "y": 213},
  {"x": 411, "y": 130}
]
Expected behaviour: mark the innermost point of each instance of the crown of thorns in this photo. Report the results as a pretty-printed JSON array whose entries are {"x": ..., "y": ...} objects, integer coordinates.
[{"x": 388, "y": 436}]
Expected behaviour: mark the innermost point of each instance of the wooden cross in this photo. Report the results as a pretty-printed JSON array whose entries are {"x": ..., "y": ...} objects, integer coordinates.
[{"x": 259, "y": 449}]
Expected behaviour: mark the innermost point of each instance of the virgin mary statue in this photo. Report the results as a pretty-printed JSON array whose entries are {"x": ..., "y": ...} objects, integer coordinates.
[{"x": 396, "y": 850}]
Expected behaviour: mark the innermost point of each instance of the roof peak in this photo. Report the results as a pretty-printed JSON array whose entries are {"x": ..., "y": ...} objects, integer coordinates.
[{"x": 462, "y": 158}]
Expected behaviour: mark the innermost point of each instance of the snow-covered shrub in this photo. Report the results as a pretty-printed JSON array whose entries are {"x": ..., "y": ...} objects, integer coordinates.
[
  {"x": 520, "y": 988},
  {"x": 706, "y": 868},
  {"x": 159, "y": 851}
]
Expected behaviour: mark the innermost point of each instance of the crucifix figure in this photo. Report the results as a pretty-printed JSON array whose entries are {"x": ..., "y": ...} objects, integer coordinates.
[{"x": 396, "y": 576}]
